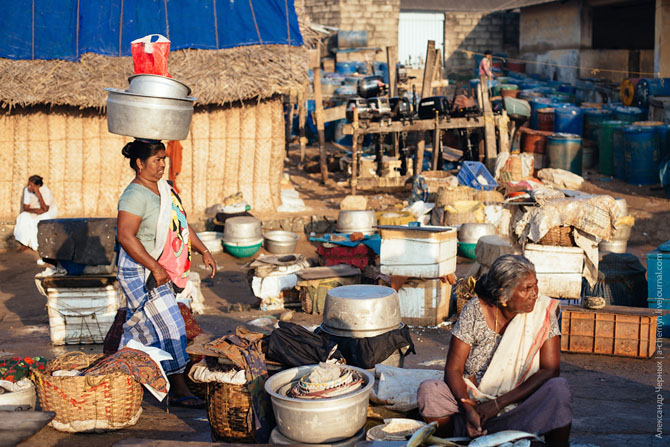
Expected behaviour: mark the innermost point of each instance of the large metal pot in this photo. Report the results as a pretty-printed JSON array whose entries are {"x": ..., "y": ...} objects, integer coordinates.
[
  {"x": 361, "y": 311},
  {"x": 156, "y": 85},
  {"x": 470, "y": 233},
  {"x": 351, "y": 221},
  {"x": 316, "y": 421},
  {"x": 242, "y": 229},
  {"x": 280, "y": 242},
  {"x": 150, "y": 117}
]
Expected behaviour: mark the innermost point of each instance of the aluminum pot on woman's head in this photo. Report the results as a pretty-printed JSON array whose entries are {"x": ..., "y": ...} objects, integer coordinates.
[
  {"x": 150, "y": 117},
  {"x": 361, "y": 311},
  {"x": 351, "y": 221},
  {"x": 317, "y": 421},
  {"x": 156, "y": 85}
]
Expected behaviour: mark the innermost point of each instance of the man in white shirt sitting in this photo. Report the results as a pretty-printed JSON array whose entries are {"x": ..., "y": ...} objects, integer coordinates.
[{"x": 38, "y": 204}]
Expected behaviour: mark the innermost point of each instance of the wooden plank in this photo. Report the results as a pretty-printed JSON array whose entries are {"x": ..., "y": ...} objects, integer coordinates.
[
  {"x": 334, "y": 113},
  {"x": 416, "y": 126},
  {"x": 426, "y": 85},
  {"x": 420, "y": 147},
  {"x": 328, "y": 272},
  {"x": 489, "y": 126},
  {"x": 354, "y": 152},
  {"x": 318, "y": 115},
  {"x": 502, "y": 122},
  {"x": 392, "y": 62},
  {"x": 302, "y": 119},
  {"x": 625, "y": 310},
  {"x": 437, "y": 151},
  {"x": 314, "y": 57}
]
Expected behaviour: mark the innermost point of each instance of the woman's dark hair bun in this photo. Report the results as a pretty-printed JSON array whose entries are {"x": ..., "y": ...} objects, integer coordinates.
[
  {"x": 141, "y": 149},
  {"x": 481, "y": 288},
  {"x": 126, "y": 150}
]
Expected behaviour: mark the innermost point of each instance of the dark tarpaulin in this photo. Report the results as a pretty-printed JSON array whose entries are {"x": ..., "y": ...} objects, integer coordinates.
[{"x": 64, "y": 29}]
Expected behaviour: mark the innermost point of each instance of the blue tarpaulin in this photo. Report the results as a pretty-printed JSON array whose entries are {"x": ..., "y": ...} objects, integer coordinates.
[{"x": 64, "y": 29}]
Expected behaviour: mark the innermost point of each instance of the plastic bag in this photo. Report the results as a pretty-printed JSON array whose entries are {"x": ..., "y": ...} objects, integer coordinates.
[{"x": 150, "y": 54}]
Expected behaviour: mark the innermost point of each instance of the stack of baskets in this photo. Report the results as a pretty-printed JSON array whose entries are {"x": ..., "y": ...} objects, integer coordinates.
[
  {"x": 559, "y": 236},
  {"x": 88, "y": 403}
]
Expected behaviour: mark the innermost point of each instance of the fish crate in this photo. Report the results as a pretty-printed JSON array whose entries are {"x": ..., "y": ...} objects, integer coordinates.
[
  {"x": 424, "y": 302},
  {"x": 614, "y": 330}
]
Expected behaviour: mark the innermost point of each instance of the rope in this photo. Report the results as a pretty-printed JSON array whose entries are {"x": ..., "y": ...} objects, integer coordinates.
[
  {"x": 288, "y": 25},
  {"x": 167, "y": 24},
  {"x": 120, "y": 27},
  {"x": 216, "y": 25},
  {"x": 253, "y": 15},
  {"x": 594, "y": 71},
  {"x": 77, "y": 36}
]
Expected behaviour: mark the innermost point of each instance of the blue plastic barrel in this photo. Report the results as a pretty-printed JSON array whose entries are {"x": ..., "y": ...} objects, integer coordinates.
[
  {"x": 618, "y": 151},
  {"x": 352, "y": 39},
  {"x": 628, "y": 114},
  {"x": 663, "y": 133},
  {"x": 535, "y": 105},
  {"x": 546, "y": 90},
  {"x": 641, "y": 155},
  {"x": 566, "y": 88},
  {"x": 565, "y": 152},
  {"x": 592, "y": 120},
  {"x": 347, "y": 67},
  {"x": 568, "y": 120}
]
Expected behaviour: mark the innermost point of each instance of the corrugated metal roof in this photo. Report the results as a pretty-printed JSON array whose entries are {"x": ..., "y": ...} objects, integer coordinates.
[{"x": 467, "y": 5}]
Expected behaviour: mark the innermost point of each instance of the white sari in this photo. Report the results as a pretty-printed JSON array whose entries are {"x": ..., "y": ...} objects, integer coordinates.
[
  {"x": 518, "y": 354},
  {"x": 25, "y": 230}
]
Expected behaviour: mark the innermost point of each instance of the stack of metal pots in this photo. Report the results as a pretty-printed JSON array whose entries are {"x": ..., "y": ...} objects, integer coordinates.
[
  {"x": 153, "y": 107},
  {"x": 242, "y": 236},
  {"x": 619, "y": 242},
  {"x": 363, "y": 311}
]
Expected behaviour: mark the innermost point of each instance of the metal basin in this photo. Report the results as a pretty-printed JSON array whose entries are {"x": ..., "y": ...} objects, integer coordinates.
[
  {"x": 613, "y": 246},
  {"x": 156, "y": 85},
  {"x": 351, "y": 221},
  {"x": 150, "y": 117},
  {"x": 361, "y": 311},
  {"x": 470, "y": 233},
  {"x": 280, "y": 242},
  {"x": 242, "y": 229},
  {"x": 212, "y": 240},
  {"x": 277, "y": 438},
  {"x": 317, "y": 421}
]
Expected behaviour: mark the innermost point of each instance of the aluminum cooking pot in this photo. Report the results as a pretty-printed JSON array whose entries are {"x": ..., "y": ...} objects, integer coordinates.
[
  {"x": 361, "y": 311},
  {"x": 242, "y": 229},
  {"x": 280, "y": 242},
  {"x": 350, "y": 221},
  {"x": 150, "y": 117},
  {"x": 470, "y": 233},
  {"x": 316, "y": 421},
  {"x": 156, "y": 85}
]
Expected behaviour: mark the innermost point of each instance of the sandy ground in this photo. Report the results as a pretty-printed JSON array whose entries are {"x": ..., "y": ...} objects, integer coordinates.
[{"x": 614, "y": 404}]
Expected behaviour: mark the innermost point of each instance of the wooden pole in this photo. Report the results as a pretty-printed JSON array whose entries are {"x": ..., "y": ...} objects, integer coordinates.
[
  {"x": 302, "y": 119},
  {"x": 437, "y": 153},
  {"x": 489, "y": 125},
  {"x": 420, "y": 147},
  {"x": 289, "y": 121},
  {"x": 318, "y": 115},
  {"x": 427, "y": 85},
  {"x": 392, "y": 62},
  {"x": 354, "y": 153}
]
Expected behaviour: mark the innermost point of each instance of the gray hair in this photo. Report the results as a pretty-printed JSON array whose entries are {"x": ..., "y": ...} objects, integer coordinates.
[{"x": 504, "y": 276}]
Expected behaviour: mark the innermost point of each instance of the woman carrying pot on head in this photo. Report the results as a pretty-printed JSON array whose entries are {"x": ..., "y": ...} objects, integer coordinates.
[
  {"x": 503, "y": 362},
  {"x": 37, "y": 204},
  {"x": 154, "y": 262}
]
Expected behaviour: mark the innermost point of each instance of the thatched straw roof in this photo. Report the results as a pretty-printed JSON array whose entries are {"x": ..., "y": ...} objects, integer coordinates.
[{"x": 215, "y": 76}]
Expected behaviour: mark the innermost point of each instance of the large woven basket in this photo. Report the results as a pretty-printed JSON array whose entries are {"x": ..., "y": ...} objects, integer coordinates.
[
  {"x": 88, "y": 403},
  {"x": 229, "y": 412},
  {"x": 560, "y": 236}
]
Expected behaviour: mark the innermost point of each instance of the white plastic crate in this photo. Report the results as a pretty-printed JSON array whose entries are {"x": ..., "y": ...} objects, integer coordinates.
[
  {"x": 559, "y": 269},
  {"x": 424, "y": 302}
]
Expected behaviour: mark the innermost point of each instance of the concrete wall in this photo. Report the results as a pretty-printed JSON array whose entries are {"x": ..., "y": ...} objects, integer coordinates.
[
  {"x": 478, "y": 32},
  {"x": 554, "y": 26},
  {"x": 378, "y": 17}
]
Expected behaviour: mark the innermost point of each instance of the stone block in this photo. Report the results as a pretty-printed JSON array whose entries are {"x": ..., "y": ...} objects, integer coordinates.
[
  {"x": 88, "y": 241},
  {"x": 354, "y": 203}
]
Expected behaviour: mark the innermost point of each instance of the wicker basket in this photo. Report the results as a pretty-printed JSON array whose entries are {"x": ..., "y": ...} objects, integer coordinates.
[
  {"x": 88, "y": 403},
  {"x": 560, "y": 236},
  {"x": 229, "y": 412}
]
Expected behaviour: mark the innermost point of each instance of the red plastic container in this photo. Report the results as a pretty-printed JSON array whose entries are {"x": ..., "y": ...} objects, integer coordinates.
[
  {"x": 150, "y": 55},
  {"x": 358, "y": 256}
]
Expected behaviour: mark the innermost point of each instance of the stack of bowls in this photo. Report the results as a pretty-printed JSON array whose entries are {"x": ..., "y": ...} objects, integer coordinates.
[
  {"x": 334, "y": 420},
  {"x": 242, "y": 236},
  {"x": 469, "y": 234},
  {"x": 356, "y": 221},
  {"x": 154, "y": 107}
]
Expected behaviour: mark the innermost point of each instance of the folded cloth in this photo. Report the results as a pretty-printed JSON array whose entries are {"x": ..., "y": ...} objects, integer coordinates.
[
  {"x": 17, "y": 368},
  {"x": 135, "y": 363}
]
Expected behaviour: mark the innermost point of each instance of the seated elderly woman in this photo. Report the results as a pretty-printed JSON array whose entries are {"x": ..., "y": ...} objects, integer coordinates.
[{"x": 503, "y": 362}]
